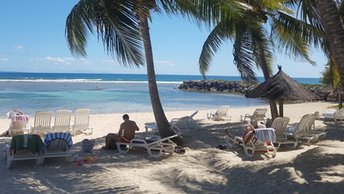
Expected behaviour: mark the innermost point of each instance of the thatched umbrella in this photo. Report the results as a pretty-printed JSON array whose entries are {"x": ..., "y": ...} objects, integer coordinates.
[{"x": 281, "y": 87}]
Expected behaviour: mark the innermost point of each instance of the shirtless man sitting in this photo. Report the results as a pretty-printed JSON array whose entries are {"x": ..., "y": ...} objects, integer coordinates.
[{"x": 125, "y": 134}]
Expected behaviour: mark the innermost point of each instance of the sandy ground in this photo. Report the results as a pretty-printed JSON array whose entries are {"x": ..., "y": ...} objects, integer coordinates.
[{"x": 316, "y": 168}]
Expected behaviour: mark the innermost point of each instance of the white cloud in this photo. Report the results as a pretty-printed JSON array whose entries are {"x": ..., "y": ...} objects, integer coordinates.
[
  {"x": 4, "y": 59},
  {"x": 62, "y": 60},
  {"x": 165, "y": 62},
  {"x": 19, "y": 47}
]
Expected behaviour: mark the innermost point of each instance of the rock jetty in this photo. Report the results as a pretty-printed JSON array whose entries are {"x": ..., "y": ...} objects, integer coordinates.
[
  {"x": 237, "y": 87},
  {"x": 240, "y": 87}
]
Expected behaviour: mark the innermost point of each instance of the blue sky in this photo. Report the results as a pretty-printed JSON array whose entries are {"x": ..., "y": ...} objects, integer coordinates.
[{"x": 33, "y": 40}]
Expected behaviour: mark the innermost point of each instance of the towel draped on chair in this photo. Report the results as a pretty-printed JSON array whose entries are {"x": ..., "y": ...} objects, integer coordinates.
[
  {"x": 31, "y": 142},
  {"x": 60, "y": 135},
  {"x": 265, "y": 134}
]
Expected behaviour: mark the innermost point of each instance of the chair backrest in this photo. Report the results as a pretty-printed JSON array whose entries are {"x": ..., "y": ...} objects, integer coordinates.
[
  {"x": 42, "y": 121},
  {"x": 339, "y": 115},
  {"x": 222, "y": 111},
  {"x": 304, "y": 126},
  {"x": 62, "y": 120},
  {"x": 193, "y": 114},
  {"x": 259, "y": 114},
  {"x": 81, "y": 119},
  {"x": 280, "y": 125}
]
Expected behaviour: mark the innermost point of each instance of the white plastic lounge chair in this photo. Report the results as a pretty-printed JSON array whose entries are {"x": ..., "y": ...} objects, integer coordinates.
[
  {"x": 179, "y": 125},
  {"x": 220, "y": 114},
  {"x": 303, "y": 131},
  {"x": 280, "y": 125},
  {"x": 339, "y": 116},
  {"x": 18, "y": 125},
  {"x": 261, "y": 140},
  {"x": 62, "y": 121},
  {"x": 24, "y": 147},
  {"x": 310, "y": 133},
  {"x": 57, "y": 145},
  {"x": 258, "y": 115},
  {"x": 155, "y": 147},
  {"x": 42, "y": 123},
  {"x": 184, "y": 124},
  {"x": 82, "y": 121}
]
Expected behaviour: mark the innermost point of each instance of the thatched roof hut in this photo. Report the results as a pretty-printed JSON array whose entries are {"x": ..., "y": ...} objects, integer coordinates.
[{"x": 281, "y": 87}]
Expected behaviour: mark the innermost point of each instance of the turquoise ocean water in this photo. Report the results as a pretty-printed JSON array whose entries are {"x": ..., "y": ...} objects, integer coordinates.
[{"x": 109, "y": 93}]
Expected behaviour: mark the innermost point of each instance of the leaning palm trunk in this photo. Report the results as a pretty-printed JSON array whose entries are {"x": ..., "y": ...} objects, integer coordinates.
[
  {"x": 264, "y": 66},
  {"x": 160, "y": 118},
  {"x": 333, "y": 26}
]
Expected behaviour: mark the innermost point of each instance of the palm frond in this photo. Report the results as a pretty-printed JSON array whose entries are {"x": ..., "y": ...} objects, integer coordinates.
[
  {"x": 294, "y": 36},
  {"x": 220, "y": 33},
  {"x": 262, "y": 46},
  {"x": 204, "y": 12},
  {"x": 116, "y": 25},
  {"x": 243, "y": 54}
]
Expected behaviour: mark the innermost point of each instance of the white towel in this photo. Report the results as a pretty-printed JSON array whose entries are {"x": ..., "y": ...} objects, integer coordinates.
[{"x": 265, "y": 134}]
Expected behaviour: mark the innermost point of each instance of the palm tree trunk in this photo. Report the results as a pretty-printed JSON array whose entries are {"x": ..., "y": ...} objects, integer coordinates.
[
  {"x": 333, "y": 26},
  {"x": 160, "y": 118},
  {"x": 264, "y": 66}
]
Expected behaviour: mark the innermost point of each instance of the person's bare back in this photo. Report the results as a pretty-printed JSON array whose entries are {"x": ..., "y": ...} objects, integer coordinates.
[
  {"x": 125, "y": 134},
  {"x": 128, "y": 129}
]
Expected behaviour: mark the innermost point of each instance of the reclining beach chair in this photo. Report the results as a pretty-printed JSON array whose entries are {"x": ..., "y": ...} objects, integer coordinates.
[
  {"x": 258, "y": 115},
  {"x": 179, "y": 125},
  {"x": 82, "y": 121},
  {"x": 280, "y": 125},
  {"x": 339, "y": 116},
  {"x": 42, "y": 123},
  {"x": 57, "y": 145},
  {"x": 155, "y": 146},
  {"x": 303, "y": 130},
  {"x": 62, "y": 121},
  {"x": 309, "y": 132},
  {"x": 220, "y": 114},
  {"x": 259, "y": 140},
  {"x": 24, "y": 147},
  {"x": 184, "y": 124}
]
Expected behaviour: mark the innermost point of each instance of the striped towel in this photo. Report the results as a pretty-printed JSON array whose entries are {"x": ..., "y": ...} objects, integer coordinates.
[
  {"x": 265, "y": 134},
  {"x": 61, "y": 135}
]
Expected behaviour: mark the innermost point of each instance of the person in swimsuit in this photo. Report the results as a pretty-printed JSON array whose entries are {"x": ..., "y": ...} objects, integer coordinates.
[{"x": 125, "y": 134}]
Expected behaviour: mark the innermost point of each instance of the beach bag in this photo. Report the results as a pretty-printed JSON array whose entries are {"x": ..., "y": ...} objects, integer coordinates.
[{"x": 87, "y": 145}]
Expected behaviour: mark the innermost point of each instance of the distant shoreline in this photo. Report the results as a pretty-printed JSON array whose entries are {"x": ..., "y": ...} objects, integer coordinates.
[{"x": 108, "y": 77}]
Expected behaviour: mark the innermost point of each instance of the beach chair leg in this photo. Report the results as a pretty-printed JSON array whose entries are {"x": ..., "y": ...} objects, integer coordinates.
[
  {"x": 122, "y": 148},
  {"x": 155, "y": 151},
  {"x": 40, "y": 161},
  {"x": 249, "y": 151}
]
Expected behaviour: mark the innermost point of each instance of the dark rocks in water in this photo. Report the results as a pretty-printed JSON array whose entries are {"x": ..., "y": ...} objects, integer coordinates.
[
  {"x": 236, "y": 87},
  {"x": 216, "y": 86}
]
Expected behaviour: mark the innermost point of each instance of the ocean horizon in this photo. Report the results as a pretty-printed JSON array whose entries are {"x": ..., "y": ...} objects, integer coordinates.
[{"x": 110, "y": 93}]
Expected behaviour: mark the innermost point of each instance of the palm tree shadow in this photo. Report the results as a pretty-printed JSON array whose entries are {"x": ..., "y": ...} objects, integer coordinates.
[
  {"x": 211, "y": 135},
  {"x": 305, "y": 175}
]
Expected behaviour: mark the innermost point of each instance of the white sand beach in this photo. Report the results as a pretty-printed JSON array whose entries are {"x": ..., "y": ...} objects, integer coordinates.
[{"x": 316, "y": 168}]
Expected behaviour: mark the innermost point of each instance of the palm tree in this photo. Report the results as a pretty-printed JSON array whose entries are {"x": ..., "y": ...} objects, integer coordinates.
[
  {"x": 253, "y": 44},
  {"x": 333, "y": 26},
  {"x": 122, "y": 26}
]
